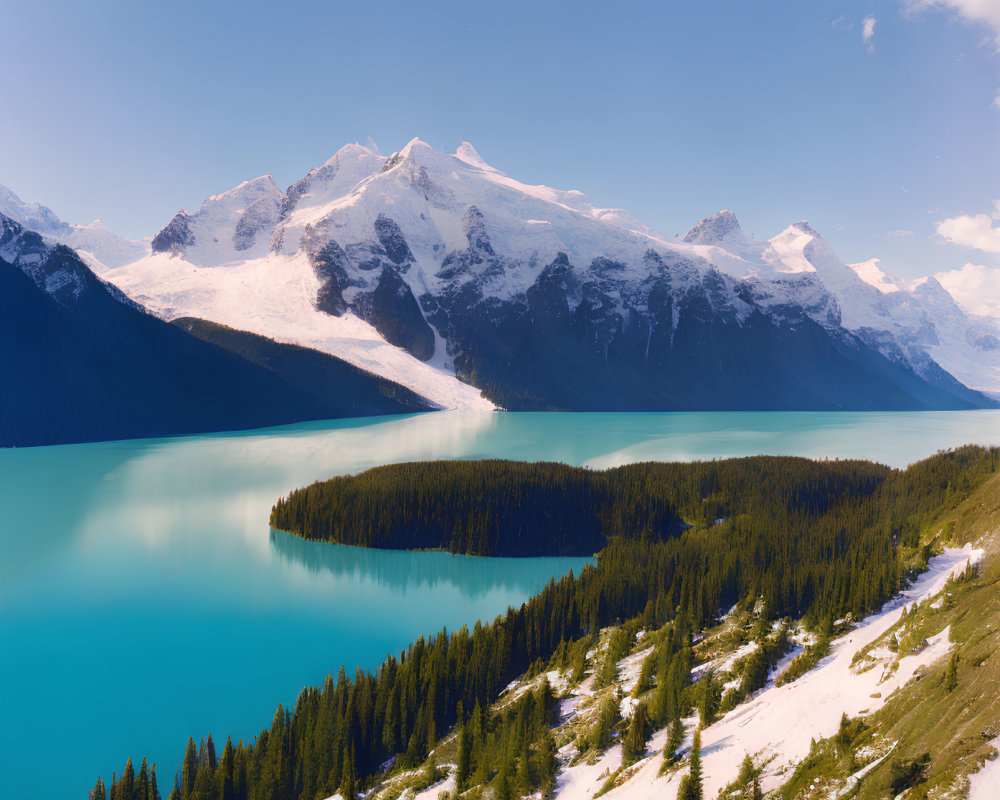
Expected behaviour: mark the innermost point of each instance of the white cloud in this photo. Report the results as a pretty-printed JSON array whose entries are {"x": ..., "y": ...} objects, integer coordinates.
[
  {"x": 973, "y": 230},
  {"x": 975, "y": 287},
  {"x": 899, "y": 233},
  {"x": 979, "y": 12},
  {"x": 985, "y": 12},
  {"x": 868, "y": 32}
]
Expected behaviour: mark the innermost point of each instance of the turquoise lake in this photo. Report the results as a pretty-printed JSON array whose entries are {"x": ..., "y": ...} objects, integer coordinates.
[{"x": 144, "y": 599}]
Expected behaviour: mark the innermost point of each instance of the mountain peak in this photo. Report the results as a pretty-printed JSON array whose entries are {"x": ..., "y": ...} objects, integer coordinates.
[
  {"x": 416, "y": 147},
  {"x": 805, "y": 227},
  {"x": 247, "y": 191},
  {"x": 467, "y": 153},
  {"x": 353, "y": 151},
  {"x": 718, "y": 229}
]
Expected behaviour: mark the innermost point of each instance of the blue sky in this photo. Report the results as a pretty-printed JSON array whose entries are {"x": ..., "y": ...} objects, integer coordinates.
[{"x": 780, "y": 110}]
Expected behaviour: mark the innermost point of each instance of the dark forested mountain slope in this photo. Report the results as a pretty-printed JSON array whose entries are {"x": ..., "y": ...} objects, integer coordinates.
[
  {"x": 81, "y": 362},
  {"x": 336, "y": 384}
]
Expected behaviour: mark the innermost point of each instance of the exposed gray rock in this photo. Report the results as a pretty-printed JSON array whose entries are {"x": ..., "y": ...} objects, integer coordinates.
[{"x": 175, "y": 236}]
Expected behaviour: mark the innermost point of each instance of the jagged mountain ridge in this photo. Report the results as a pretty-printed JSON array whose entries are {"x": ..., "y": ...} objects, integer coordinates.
[
  {"x": 534, "y": 295},
  {"x": 82, "y": 362}
]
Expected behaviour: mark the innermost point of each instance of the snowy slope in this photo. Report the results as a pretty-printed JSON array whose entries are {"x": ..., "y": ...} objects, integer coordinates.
[
  {"x": 778, "y": 723},
  {"x": 274, "y": 296},
  {"x": 98, "y": 246}
]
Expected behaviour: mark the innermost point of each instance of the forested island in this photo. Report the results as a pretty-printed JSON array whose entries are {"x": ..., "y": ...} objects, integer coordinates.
[{"x": 676, "y": 544}]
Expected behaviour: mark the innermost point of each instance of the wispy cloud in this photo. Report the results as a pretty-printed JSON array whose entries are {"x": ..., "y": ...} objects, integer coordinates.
[
  {"x": 843, "y": 23},
  {"x": 973, "y": 230},
  {"x": 900, "y": 233},
  {"x": 868, "y": 32},
  {"x": 985, "y": 12},
  {"x": 975, "y": 287},
  {"x": 977, "y": 12}
]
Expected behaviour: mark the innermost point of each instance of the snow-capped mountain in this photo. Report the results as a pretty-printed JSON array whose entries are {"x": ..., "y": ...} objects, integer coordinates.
[
  {"x": 913, "y": 322},
  {"x": 95, "y": 243},
  {"x": 235, "y": 225},
  {"x": 424, "y": 267}
]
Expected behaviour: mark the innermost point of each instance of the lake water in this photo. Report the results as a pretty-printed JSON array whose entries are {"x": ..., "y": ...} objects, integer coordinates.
[{"x": 143, "y": 597}]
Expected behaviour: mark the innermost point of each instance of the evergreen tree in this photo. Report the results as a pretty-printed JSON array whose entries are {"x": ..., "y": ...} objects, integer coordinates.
[
  {"x": 951, "y": 673},
  {"x": 154, "y": 792},
  {"x": 502, "y": 788},
  {"x": 694, "y": 774},
  {"x": 634, "y": 743},
  {"x": 842, "y": 741},
  {"x": 464, "y": 759},
  {"x": 225, "y": 776},
  {"x": 210, "y": 754},
  {"x": 97, "y": 793},
  {"x": 523, "y": 785},
  {"x": 204, "y": 783},
  {"x": 348, "y": 782},
  {"x": 708, "y": 700},
  {"x": 547, "y": 763},
  {"x": 190, "y": 769},
  {"x": 126, "y": 787},
  {"x": 675, "y": 738},
  {"x": 142, "y": 782}
]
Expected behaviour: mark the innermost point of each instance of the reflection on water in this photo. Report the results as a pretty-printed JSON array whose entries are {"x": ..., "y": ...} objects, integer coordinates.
[
  {"x": 401, "y": 572},
  {"x": 144, "y": 598}
]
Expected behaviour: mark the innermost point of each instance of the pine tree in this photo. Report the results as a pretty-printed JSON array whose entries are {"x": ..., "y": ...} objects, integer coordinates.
[
  {"x": 674, "y": 739},
  {"x": 225, "y": 775},
  {"x": 502, "y": 790},
  {"x": 126, "y": 787},
  {"x": 687, "y": 791},
  {"x": 694, "y": 774},
  {"x": 348, "y": 784},
  {"x": 190, "y": 769},
  {"x": 210, "y": 753},
  {"x": 204, "y": 783},
  {"x": 547, "y": 763},
  {"x": 747, "y": 771},
  {"x": 97, "y": 793},
  {"x": 154, "y": 792},
  {"x": 708, "y": 701},
  {"x": 142, "y": 782},
  {"x": 634, "y": 743},
  {"x": 523, "y": 785},
  {"x": 842, "y": 741},
  {"x": 951, "y": 673},
  {"x": 464, "y": 759},
  {"x": 645, "y": 681}
]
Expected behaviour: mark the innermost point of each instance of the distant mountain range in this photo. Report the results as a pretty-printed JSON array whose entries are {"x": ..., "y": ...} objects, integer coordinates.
[
  {"x": 83, "y": 362},
  {"x": 474, "y": 290}
]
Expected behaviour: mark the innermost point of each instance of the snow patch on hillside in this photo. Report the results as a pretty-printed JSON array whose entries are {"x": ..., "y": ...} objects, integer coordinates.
[
  {"x": 983, "y": 784},
  {"x": 274, "y": 296},
  {"x": 779, "y": 723}
]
